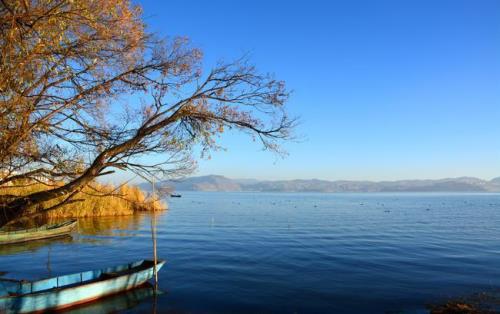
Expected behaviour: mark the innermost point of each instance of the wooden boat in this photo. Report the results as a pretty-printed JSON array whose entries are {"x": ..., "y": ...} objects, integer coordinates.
[
  {"x": 43, "y": 232},
  {"x": 70, "y": 290}
]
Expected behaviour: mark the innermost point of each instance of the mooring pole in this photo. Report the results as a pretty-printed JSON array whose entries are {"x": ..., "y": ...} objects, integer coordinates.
[
  {"x": 49, "y": 270},
  {"x": 153, "y": 235}
]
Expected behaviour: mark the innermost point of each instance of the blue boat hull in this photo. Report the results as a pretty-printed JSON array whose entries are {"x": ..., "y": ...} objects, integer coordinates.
[{"x": 70, "y": 290}]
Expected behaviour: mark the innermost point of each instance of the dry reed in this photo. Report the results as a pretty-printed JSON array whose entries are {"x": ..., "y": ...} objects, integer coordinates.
[{"x": 97, "y": 200}]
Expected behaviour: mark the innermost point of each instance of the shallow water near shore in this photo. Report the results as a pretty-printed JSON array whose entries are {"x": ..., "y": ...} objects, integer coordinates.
[{"x": 289, "y": 253}]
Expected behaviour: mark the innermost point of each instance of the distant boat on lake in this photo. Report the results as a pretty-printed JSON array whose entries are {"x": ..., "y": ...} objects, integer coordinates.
[
  {"x": 70, "y": 290},
  {"x": 43, "y": 232},
  {"x": 175, "y": 195}
]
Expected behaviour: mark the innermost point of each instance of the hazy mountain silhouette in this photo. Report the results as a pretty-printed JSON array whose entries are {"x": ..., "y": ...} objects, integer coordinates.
[{"x": 220, "y": 183}]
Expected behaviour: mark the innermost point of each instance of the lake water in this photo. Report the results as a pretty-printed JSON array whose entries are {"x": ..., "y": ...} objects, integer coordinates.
[{"x": 289, "y": 253}]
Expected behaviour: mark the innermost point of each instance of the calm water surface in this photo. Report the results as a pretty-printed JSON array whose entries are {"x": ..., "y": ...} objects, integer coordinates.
[{"x": 289, "y": 253}]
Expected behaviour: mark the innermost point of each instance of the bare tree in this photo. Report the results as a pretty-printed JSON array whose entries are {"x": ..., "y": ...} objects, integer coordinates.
[{"x": 85, "y": 89}]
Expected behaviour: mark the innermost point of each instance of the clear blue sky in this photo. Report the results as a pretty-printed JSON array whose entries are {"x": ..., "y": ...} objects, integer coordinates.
[{"x": 385, "y": 89}]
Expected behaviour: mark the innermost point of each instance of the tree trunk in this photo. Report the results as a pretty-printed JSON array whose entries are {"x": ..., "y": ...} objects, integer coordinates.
[{"x": 20, "y": 206}]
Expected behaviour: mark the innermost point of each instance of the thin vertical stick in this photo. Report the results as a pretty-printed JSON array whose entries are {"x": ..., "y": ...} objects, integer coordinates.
[
  {"x": 153, "y": 235},
  {"x": 49, "y": 270}
]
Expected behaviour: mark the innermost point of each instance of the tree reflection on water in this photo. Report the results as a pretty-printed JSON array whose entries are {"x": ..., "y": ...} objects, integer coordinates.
[
  {"x": 110, "y": 226},
  {"x": 32, "y": 246},
  {"x": 90, "y": 230}
]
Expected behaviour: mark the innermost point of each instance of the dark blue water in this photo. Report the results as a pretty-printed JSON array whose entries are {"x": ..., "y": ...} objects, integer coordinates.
[{"x": 293, "y": 253}]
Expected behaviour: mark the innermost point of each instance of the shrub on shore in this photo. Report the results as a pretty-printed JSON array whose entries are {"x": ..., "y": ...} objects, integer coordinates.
[{"x": 487, "y": 302}]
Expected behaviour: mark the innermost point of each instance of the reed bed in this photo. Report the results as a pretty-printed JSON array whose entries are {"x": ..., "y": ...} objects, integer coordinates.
[{"x": 96, "y": 200}]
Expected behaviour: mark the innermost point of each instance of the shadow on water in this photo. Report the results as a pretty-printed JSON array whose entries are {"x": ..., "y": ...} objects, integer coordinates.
[
  {"x": 115, "y": 303},
  {"x": 33, "y": 246},
  {"x": 36, "y": 245}
]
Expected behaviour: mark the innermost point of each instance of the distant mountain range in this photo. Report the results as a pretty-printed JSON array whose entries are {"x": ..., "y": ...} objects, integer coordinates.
[{"x": 216, "y": 183}]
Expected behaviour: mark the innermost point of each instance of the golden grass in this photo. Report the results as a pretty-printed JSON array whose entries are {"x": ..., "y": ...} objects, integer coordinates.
[{"x": 97, "y": 200}]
